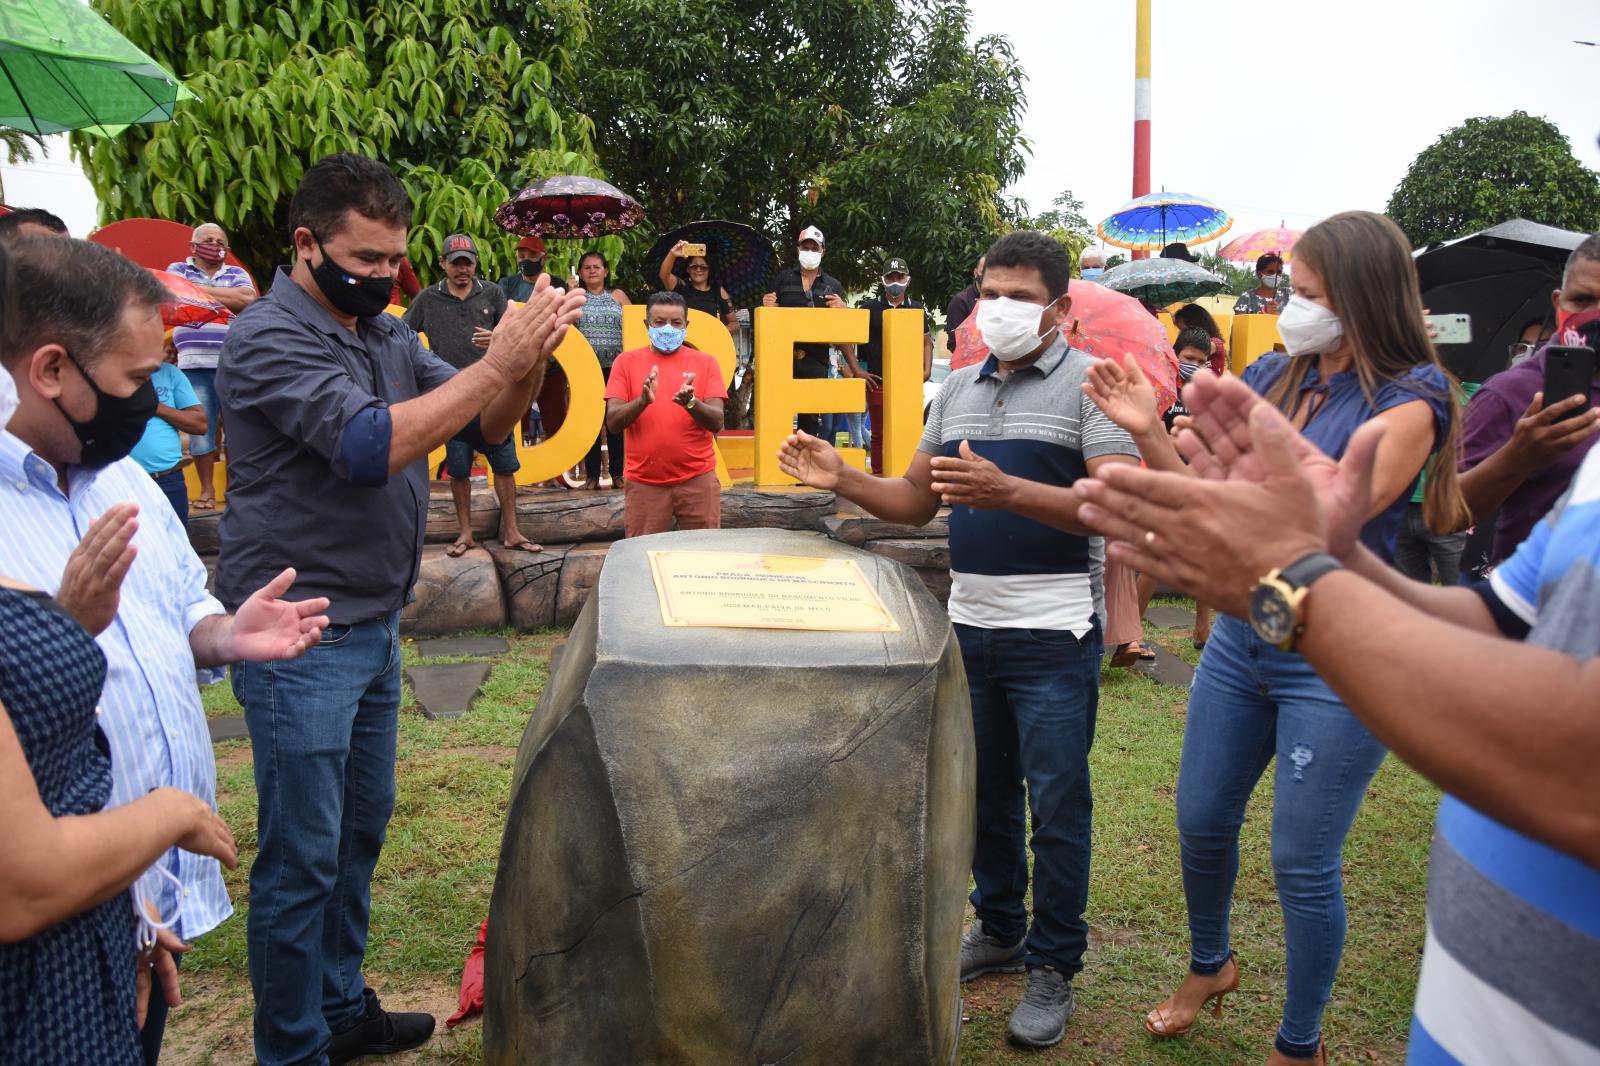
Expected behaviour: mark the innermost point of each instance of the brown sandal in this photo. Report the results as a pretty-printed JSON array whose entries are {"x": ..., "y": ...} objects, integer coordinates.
[{"x": 1159, "y": 1022}]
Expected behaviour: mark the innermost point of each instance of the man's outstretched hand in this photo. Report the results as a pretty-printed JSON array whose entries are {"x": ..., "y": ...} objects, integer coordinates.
[
  {"x": 91, "y": 583},
  {"x": 1212, "y": 538},
  {"x": 810, "y": 459},
  {"x": 1220, "y": 444},
  {"x": 267, "y": 628}
]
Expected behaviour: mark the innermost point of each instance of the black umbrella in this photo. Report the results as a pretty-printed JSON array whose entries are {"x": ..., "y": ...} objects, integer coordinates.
[
  {"x": 1502, "y": 277},
  {"x": 741, "y": 260}
]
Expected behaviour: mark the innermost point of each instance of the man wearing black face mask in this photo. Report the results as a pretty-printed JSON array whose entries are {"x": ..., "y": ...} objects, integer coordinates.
[
  {"x": 530, "y": 264},
  {"x": 866, "y": 361},
  {"x": 333, "y": 407},
  {"x": 82, "y": 357}
]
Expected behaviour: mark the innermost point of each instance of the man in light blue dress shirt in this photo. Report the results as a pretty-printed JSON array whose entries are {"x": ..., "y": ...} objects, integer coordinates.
[{"x": 82, "y": 357}]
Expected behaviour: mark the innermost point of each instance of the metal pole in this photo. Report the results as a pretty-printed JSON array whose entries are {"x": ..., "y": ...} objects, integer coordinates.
[{"x": 1141, "y": 104}]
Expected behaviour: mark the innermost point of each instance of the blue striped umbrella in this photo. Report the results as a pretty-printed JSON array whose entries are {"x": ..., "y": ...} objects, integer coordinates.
[{"x": 1156, "y": 220}]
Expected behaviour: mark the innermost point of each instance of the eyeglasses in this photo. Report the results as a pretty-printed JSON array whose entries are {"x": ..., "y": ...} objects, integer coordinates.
[
  {"x": 698, "y": 266},
  {"x": 1521, "y": 349}
]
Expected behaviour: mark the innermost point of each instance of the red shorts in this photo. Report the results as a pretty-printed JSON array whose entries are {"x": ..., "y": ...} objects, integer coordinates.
[{"x": 696, "y": 504}]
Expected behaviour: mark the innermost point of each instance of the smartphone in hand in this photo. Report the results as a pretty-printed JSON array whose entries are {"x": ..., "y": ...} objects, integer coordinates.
[{"x": 1568, "y": 371}]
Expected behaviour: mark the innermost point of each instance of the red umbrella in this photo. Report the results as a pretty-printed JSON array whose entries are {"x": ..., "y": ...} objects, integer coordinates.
[
  {"x": 189, "y": 305},
  {"x": 1108, "y": 325},
  {"x": 1277, "y": 239}
]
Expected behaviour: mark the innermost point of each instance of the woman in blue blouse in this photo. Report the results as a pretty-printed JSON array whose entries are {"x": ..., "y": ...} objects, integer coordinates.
[{"x": 1357, "y": 350}]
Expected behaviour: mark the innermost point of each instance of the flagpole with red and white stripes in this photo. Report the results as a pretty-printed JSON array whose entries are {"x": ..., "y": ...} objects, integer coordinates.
[{"x": 1141, "y": 104}]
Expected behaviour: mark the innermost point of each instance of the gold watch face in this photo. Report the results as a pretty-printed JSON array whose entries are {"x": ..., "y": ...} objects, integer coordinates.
[{"x": 1271, "y": 613}]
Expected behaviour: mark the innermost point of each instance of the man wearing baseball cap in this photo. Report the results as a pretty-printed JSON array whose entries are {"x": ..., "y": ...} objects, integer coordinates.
[
  {"x": 530, "y": 264},
  {"x": 458, "y": 315},
  {"x": 867, "y": 360},
  {"x": 806, "y": 285}
]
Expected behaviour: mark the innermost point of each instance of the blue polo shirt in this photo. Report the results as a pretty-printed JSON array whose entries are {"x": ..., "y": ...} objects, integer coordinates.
[{"x": 1008, "y": 571}]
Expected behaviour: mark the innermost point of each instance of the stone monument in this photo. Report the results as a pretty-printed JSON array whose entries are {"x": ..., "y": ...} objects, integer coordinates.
[{"x": 738, "y": 845}]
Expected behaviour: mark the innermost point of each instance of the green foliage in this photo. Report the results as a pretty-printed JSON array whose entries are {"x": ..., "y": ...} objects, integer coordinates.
[
  {"x": 1240, "y": 279},
  {"x": 20, "y": 146},
  {"x": 1065, "y": 223},
  {"x": 1488, "y": 170},
  {"x": 463, "y": 106},
  {"x": 877, "y": 121}
]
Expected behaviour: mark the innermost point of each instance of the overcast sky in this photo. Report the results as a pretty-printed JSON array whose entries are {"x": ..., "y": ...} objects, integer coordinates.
[{"x": 1277, "y": 111}]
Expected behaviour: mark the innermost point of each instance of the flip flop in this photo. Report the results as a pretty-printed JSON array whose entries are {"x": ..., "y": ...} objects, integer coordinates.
[
  {"x": 204, "y": 503},
  {"x": 459, "y": 548},
  {"x": 523, "y": 545}
]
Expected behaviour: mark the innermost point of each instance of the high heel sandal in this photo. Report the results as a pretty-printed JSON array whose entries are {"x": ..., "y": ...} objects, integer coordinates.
[{"x": 1162, "y": 1014}]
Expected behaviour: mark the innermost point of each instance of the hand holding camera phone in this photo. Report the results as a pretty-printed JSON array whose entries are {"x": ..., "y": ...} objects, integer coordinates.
[
  {"x": 1568, "y": 371},
  {"x": 690, "y": 249}
]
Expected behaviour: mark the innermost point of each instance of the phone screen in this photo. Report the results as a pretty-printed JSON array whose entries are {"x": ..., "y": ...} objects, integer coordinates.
[{"x": 1568, "y": 371}]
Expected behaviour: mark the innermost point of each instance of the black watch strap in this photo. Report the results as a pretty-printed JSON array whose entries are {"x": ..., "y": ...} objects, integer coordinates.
[{"x": 1303, "y": 571}]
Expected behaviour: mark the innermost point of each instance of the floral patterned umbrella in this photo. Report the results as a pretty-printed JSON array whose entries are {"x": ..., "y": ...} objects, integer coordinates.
[
  {"x": 569, "y": 207},
  {"x": 188, "y": 304},
  {"x": 1277, "y": 239},
  {"x": 1109, "y": 325}
]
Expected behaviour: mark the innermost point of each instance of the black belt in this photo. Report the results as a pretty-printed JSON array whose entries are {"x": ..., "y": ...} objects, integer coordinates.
[{"x": 164, "y": 473}]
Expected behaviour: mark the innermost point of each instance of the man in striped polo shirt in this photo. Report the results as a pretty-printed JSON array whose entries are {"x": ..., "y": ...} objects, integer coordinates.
[
  {"x": 199, "y": 346},
  {"x": 1005, "y": 440},
  {"x": 1488, "y": 691}
]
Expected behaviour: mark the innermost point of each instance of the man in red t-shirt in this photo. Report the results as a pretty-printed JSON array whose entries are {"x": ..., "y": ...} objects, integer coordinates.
[{"x": 666, "y": 400}]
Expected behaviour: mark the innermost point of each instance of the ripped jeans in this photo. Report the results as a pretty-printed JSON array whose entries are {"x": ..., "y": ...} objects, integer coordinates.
[{"x": 1249, "y": 703}]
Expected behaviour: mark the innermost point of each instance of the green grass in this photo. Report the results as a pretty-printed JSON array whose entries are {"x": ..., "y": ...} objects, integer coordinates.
[{"x": 433, "y": 883}]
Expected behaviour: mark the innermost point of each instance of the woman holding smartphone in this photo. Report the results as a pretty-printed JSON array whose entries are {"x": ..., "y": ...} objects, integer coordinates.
[
  {"x": 700, "y": 292},
  {"x": 1357, "y": 351}
]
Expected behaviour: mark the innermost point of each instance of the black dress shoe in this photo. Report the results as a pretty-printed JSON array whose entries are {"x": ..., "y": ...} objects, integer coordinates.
[{"x": 381, "y": 1032}]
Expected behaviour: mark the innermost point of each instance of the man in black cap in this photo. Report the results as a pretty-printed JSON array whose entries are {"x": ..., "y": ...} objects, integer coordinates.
[
  {"x": 1179, "y": 250},
  {"x": 867, "y": 360},
  {"x": 1271, "y": 291},
  {"x": 459, "y": 315}
]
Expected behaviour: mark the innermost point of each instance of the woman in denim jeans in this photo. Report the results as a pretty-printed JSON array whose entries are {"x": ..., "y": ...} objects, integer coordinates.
[{"x": 1358, "y": 350}]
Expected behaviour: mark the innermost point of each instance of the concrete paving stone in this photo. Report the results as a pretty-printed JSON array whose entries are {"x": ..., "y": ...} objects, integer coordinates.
[
  {"x": 446, "y": 690},
  {"x": 1165, "y": 669},
  {"x": 1170, "y": 617},
  {"x": 228, "y": 727},
  {"x": 440, "y": 646}
]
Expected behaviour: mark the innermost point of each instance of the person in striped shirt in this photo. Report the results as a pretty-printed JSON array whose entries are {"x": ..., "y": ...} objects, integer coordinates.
[{"x": 200, "y": 345}]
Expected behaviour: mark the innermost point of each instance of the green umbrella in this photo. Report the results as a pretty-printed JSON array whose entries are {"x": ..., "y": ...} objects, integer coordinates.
[{"x": 63, "y": 67}]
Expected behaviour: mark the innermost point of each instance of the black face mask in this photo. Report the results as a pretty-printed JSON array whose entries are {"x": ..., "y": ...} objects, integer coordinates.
[
  {"x": 350, "y": 293},
  {"x": 117, "y": 425},
  {"x": 530, "y": 268}
]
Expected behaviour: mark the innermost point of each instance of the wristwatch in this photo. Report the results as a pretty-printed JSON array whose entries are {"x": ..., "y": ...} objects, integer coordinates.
[
  {"x": 1278, "y": 602},
  {"x": 693, "y": 401}
]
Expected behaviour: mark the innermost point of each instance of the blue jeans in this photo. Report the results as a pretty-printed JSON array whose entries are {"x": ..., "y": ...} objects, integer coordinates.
[
  {"x": 1034, "y": 697},
  {"x": 203, "y": 380},
  {"x": 1251, "y": 703},
  {"x": 177, "y": 493},
  {"x": 458, "y": 458},
  {"x": 614, "y": 444},
  {"x": 323, "y": 732}
]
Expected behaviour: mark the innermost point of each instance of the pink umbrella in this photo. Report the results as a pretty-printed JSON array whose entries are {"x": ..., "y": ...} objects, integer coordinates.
[
  {"x": 1275, "y": 239},
  {"x": 1109, "y": 325}
]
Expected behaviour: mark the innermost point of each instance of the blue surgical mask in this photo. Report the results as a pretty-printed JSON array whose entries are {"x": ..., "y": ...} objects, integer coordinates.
[
  {"x": 1091, "y": 272},
  {"x": 666, "y": 338}
]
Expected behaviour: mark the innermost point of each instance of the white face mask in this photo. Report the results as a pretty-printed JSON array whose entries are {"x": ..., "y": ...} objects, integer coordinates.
[
  {"x": 810, "y": 260},
  {"x": 1011, "y": 328},
  {"x": 8, "y": 397},
  {"x": 1308, "y": 328}
]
